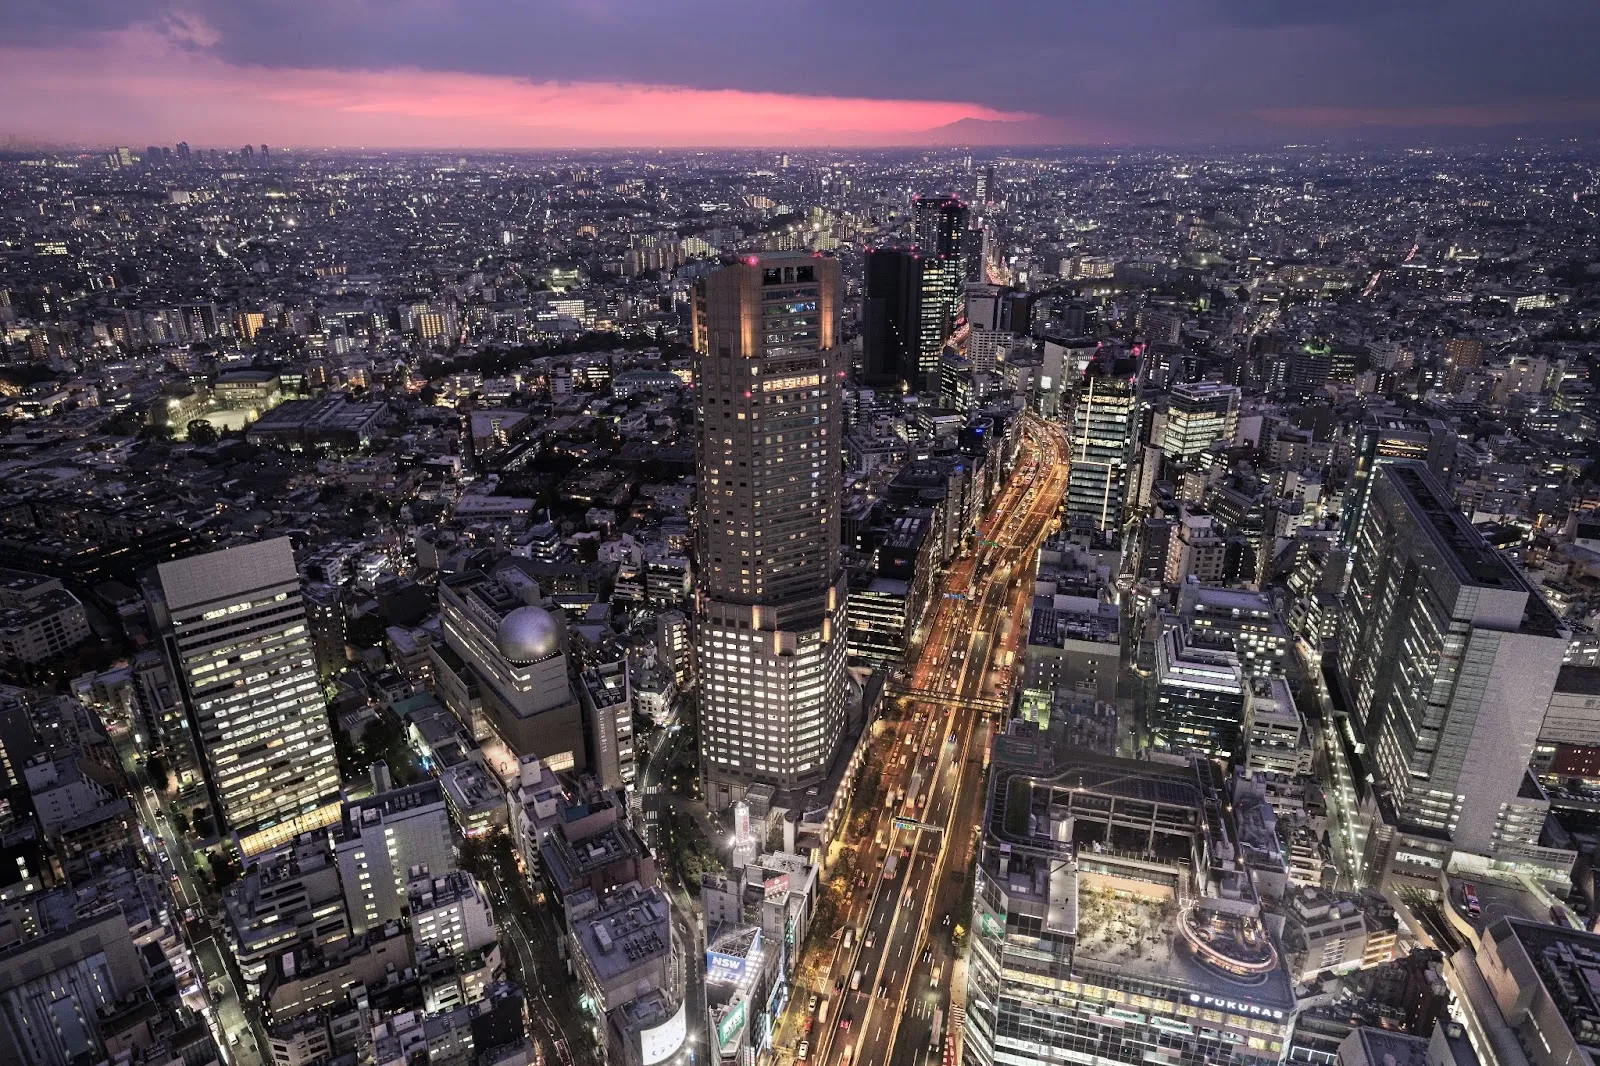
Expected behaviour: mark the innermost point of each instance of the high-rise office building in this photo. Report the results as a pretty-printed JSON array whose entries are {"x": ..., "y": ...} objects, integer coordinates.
[
  {"x": 1104, "y": 428},
  {"x": 891, "y": 315},
  {"x": 1199, "y": 414},
  {"x": 986, "y": 305},
  {"x": 1383, "y": 438},
  {"x": 940, "y": 226},
  {"x": 1447, "y": 662},
  {"x": 995, "y": 310},
  {"x": 240, "y": 651},
  {"x": 606, "y": 694},
  {"x": 771, "y": 593}
]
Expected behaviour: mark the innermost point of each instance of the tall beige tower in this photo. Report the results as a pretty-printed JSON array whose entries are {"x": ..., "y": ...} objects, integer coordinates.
[
  {"x": 770, "y": 596},
  {"x": 238, "y": 647}
]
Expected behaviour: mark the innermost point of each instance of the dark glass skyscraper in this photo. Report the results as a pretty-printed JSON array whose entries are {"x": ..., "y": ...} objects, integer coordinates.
[
  {"x": 770, "y": 602},
  {"x": 891, "y": 316}
]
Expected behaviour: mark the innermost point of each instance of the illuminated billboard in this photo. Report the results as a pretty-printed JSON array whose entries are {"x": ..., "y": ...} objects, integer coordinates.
[
  {"x": 662, "y": 1042},
  {"x": 731, "y": 1024}
]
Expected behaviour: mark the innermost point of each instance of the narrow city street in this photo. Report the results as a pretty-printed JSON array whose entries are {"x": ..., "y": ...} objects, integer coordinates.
[{"x": 226, "y": 1016}]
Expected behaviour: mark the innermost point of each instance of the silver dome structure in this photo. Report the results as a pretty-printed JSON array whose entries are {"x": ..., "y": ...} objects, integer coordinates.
[{"x": 528, "y": 634}]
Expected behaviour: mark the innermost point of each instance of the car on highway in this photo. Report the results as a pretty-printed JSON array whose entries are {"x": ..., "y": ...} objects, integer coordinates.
[
  {"x": 872, "y": 938},
  {"x": 838, "y": 986},
  {"x": 936, "y": 970},
  {"x": 802, "y": 1050},
  {"x": 844, "y": 1022},
  {"x": 811, "y": 1007}
]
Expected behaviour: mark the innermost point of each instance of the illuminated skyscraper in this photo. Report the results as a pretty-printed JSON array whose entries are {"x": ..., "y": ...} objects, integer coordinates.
[
  {"x": 1104, "y": 428},
  {"x": 770, "y": 601},
  {"x": 1447, "y": 660},
  {"x": 940, "y": 226},
  {"x": 240, "y": 651},
  {"x": 1200, "y": 414}
]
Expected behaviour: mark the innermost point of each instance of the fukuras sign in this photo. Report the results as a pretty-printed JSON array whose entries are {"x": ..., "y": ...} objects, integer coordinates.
[{"x": 1236, "y": 1006}]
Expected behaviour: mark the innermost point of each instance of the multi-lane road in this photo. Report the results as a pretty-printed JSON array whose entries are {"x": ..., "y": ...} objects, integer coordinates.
[{"x": 887, "y": 988}]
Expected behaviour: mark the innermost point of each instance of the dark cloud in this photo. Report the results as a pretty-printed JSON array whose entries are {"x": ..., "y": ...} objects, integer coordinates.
[
  {"x": 1162, "y": 70},
  {"x": 1311, "y": 13},
  {"x": 52, "y": 21}
]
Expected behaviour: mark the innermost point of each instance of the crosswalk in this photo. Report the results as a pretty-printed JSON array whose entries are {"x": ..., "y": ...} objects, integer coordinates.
[{"x": 952, "y": 1042}]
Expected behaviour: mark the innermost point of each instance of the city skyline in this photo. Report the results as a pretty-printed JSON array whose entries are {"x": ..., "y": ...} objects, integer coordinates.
[
  {"x": 782, "y": 605},
  {"x": 463, "y": 75}
]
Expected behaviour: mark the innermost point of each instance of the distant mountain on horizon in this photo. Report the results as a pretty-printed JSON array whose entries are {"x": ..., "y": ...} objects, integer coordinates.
[{"x": 996, "y": 132}]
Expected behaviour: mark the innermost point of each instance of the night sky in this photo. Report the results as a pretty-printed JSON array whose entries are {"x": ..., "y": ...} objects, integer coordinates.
[{"x": 592, "y": 73}]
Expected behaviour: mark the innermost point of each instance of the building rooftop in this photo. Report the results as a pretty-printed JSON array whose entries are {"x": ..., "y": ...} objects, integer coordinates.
[
  {"x": 1580, "y": 680},
  {"x": 372, "y": 811},
  {"x": 1270, "y": 700},
  {"x": 471, "y": 788},
  {"x": 1059, "y": 619},
  {"x": 1068, "y": 831},
  {"x": 19, "y": 583},
  {"x": 634, "y": 927},
  {"x": 1474, "y": 559},
  {"x": 1476, "y": 562},
  {"x": 1568, "y": 965},
  {"x": 1213, "y": 599},
  {"x": 430, "y": 893}
]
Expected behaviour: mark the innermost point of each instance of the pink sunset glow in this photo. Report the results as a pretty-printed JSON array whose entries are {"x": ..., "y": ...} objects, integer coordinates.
[{"x": 158, "y": 85}]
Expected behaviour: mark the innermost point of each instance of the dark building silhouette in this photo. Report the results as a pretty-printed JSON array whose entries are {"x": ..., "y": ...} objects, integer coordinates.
[{"x": 891, "y": 309}]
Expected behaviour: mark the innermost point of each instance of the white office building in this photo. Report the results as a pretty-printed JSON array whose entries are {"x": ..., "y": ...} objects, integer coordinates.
[
  {"x": 240, "y": 651},
  {"x": 452, "y": 910},
  {"x": 381, "y": 840}
]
